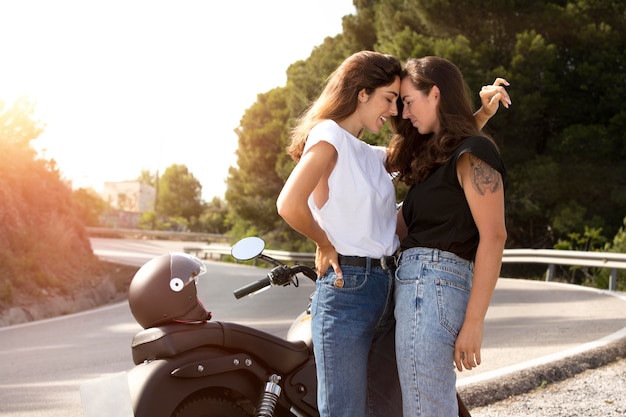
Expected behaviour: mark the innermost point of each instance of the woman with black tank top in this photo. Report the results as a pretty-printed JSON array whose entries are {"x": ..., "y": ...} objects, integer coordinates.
[
  {"x": 452, "y": 232},
  {"x": 341, "y": 197}
]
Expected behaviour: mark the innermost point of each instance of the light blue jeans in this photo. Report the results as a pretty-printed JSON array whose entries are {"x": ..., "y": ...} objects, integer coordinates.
[
  {"x": 431, "y": 293},
  {"x": 353, "y": 341}
]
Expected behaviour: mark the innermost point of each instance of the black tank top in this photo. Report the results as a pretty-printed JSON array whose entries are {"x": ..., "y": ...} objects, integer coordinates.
[{"x": 436, "y": 212}]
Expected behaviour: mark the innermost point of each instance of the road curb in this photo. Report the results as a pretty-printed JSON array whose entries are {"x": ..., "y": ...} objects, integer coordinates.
[{"x": 485, "y": 392}]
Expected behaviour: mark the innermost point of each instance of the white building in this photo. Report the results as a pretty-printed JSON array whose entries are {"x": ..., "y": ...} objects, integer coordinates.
[{"x": 130, "y": 196}]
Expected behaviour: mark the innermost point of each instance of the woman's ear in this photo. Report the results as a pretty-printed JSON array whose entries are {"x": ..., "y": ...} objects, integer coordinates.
[
  {"x": 435, "y": 93},
  {"x": 363, "y": 96}
]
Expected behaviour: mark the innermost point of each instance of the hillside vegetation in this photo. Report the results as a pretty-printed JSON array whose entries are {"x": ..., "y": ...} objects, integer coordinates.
[{"x": 44, "y": 249}]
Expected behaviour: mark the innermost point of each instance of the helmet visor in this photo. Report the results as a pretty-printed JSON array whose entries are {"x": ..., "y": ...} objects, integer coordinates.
[{"x": 184, "y": 273}]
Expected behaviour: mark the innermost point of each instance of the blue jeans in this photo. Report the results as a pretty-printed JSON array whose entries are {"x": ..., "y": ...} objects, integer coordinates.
[
  {"x": 431, "y": 293},
  {"x": 353, "y": 341}
]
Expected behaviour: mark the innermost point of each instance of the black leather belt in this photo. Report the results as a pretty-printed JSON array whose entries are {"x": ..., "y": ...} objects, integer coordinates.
[{"x": 385, "y": 262}]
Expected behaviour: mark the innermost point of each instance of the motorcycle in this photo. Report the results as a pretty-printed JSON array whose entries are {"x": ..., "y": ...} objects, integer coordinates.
[{"x": 189, "y": 366}]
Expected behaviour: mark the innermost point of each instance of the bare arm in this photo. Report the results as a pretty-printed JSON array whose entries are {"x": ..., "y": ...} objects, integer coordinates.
[
  {"x": 484, "y": 192},
  {"x": 310, "y": 176}
]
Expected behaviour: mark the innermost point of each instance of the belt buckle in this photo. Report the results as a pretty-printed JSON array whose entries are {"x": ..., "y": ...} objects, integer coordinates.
[{"x": 383, "y": 262}]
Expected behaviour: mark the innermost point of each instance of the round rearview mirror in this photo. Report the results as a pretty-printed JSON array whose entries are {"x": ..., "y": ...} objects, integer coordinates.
[{"x": 247, "y": 248}]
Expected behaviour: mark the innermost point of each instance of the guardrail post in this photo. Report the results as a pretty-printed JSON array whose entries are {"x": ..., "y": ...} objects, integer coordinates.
[
  {"x": 550, "y": 272},
  {"x": 613, "y": 280}
]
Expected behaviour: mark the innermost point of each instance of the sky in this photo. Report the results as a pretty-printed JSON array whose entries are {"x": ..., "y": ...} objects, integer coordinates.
[{"x": 123, "y": 86}]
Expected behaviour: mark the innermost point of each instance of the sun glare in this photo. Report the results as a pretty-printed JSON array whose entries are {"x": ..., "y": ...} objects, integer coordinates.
[{"x": 123, "y": 86}]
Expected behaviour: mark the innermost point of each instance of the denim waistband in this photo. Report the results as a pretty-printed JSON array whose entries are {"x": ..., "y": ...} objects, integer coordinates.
[{"x": 432, "y": 255}]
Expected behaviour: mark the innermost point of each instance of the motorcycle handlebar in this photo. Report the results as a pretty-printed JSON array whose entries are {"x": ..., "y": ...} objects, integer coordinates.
[
  {"x": 281, "y": 275},
  {"x": 253, "y": 287},
  {"x": 306, "y": 270}
]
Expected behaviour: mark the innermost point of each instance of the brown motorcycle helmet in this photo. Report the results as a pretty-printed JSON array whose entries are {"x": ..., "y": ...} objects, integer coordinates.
[{"x": 164, "y": 291}]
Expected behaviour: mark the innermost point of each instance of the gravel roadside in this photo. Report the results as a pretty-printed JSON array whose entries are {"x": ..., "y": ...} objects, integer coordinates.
[
  {"x": 589, "y": 384},
  {"x": 598, "y": 392}
]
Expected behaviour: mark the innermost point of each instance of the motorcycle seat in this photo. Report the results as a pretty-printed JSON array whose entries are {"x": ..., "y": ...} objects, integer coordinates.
[{"x": 173, "y": 339}]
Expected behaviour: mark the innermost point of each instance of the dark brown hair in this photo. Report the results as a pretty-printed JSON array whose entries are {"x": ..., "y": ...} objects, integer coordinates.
[{"x": 412, "y": 155}]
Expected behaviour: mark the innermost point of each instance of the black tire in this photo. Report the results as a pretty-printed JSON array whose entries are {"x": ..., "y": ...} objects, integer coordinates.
[{"x": 208, "y": 406}]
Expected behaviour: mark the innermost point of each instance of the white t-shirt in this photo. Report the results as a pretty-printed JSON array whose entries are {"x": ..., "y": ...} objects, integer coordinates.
[{"x": 359, "y": 217}]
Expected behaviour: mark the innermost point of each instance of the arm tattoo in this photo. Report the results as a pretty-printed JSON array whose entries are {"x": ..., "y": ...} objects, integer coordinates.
[{"x": 484, "y": 177}]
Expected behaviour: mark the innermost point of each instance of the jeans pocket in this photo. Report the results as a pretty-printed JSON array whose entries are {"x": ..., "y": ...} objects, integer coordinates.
[
  {"x": 408, "y": 272},
  {"x": 352, "y": 280},
  {"x": 453, "y": 289}
]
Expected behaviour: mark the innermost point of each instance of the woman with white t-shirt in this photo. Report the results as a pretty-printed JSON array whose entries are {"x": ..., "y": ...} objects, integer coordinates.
[{"x": 341, "y": 197}]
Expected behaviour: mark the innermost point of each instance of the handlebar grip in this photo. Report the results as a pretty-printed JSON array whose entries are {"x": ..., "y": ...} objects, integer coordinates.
[{"x": 253, "y": 287}]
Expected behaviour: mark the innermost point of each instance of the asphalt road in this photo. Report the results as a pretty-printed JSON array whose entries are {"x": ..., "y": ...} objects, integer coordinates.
[
  {"x": 43, "y": 364},
  {"x": 531, "y": 323}
]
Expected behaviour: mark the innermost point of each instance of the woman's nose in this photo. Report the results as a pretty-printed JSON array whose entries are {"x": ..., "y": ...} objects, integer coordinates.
[
  {"x": 405, "y": 112},
  {"x": 394, "y": 108}
]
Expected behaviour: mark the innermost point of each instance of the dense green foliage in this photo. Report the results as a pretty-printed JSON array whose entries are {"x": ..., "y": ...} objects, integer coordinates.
[
  {"x": 618, "y": 245},
  {"x": 44, "y": 248},
  {"x": 563, "y": 139},
  {"x": 179, "y": 204},
  {"x": 179, "y": 193}
]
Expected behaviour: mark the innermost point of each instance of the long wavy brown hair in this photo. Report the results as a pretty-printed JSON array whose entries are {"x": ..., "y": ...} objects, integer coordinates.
[
  {"x": 363, "y": 70},
  {"x": 413, "y": 156}
]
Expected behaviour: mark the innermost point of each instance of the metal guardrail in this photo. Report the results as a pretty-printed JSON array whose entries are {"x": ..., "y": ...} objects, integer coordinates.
[
  {"x": 550, "y": 257},
  {"x": 156, "y": 234}
]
